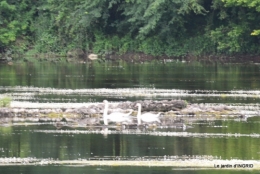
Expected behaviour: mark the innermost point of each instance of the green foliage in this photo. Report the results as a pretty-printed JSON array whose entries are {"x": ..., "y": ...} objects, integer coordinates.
[
  {"x": 109, "y": 44},
  {"x": 158, "y": 17},
  {"x": 128, "y": 44},
  {"x": 15, "y": 20},
  {"x": 245, "y": 3},
  {"x": 255, "y": 4},
  {"x": 152, "y": 46},
  {"x": 255, "y": 32},
  {"x": 226, "y": 39},
  {"x": 76, "y": 22},
  {"x": 8, "y": 34},
  {"x": 47, "y": 43},
  {"x": 7, "y": 28},
  {"x": 200, "y": 45},
  {"x": 6, "y": 8},
  {"x": 5, "y": 102},
  {"x": 156, "y": 27}
]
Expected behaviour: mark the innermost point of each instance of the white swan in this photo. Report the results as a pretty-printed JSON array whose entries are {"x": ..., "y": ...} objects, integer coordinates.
[
  {"x": 147, "y": 117},
  {"x": 117, "y": 117}
]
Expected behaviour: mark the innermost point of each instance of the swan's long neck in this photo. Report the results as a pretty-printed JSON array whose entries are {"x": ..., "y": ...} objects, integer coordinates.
[
  {"x": 105, "y": 114},
  {"x": 139, "y": 115},
  {"x": 129, "y": 113}
]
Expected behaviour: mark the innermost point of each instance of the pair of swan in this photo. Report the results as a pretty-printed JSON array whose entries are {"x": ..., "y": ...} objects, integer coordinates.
[{"x": 119, "y": 117}]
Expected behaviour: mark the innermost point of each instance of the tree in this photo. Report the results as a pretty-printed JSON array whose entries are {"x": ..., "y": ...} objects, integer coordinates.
[
  {"x": 158, "y": 17},
  {"x": 15, "y": 20},
  {"x": 255, "y": 4}
]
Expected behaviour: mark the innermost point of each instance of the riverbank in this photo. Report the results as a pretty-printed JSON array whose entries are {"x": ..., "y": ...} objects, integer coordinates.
[{"x": 81, "y": 57}]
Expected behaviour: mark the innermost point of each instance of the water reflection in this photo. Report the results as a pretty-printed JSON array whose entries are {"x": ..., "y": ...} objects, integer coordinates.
[
  {"x": 44, "y": 95},
  {"x": 151, "y": 75},
  {"x": 217, "y": 140},
  {"x": 120, "y": 81}
]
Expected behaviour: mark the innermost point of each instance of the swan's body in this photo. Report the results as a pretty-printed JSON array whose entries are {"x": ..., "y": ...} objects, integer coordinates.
[
  {"x": 116, "y": 117},
  {"x": 119, "y": 117},
  {"x": 147, "y": 117}
]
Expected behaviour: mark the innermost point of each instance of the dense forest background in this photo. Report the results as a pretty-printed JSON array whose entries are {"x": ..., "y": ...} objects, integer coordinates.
[{"x": 154, "y": 27}]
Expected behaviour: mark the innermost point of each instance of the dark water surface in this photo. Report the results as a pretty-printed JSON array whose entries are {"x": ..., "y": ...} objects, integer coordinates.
[
  {"x": 194, "y": 78},
  {"x": 74, "y": 83},
  {"x": 38, "y": 142},
  {"x": 172, "y": 75}
]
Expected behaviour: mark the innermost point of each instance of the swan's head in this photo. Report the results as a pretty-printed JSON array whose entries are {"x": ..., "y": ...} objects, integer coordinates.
[
  {"x": 105, "y": 101},
  {"x": 138, "y": 105},
  {"x": 131, "y": 110}
]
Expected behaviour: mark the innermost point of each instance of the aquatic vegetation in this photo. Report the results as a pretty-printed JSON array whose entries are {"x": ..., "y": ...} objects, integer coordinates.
[
  {"x": 55, "y": 115},
  {"x": 5, "y": 101}
]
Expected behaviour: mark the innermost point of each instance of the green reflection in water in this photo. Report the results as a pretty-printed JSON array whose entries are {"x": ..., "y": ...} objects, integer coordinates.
[
  {"x": 120, "y": 74},
  {"x": 23, "y": 142}
]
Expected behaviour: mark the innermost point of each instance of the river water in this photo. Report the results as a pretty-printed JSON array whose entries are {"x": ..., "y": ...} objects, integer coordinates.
[{"x": 94, "y": 81}]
